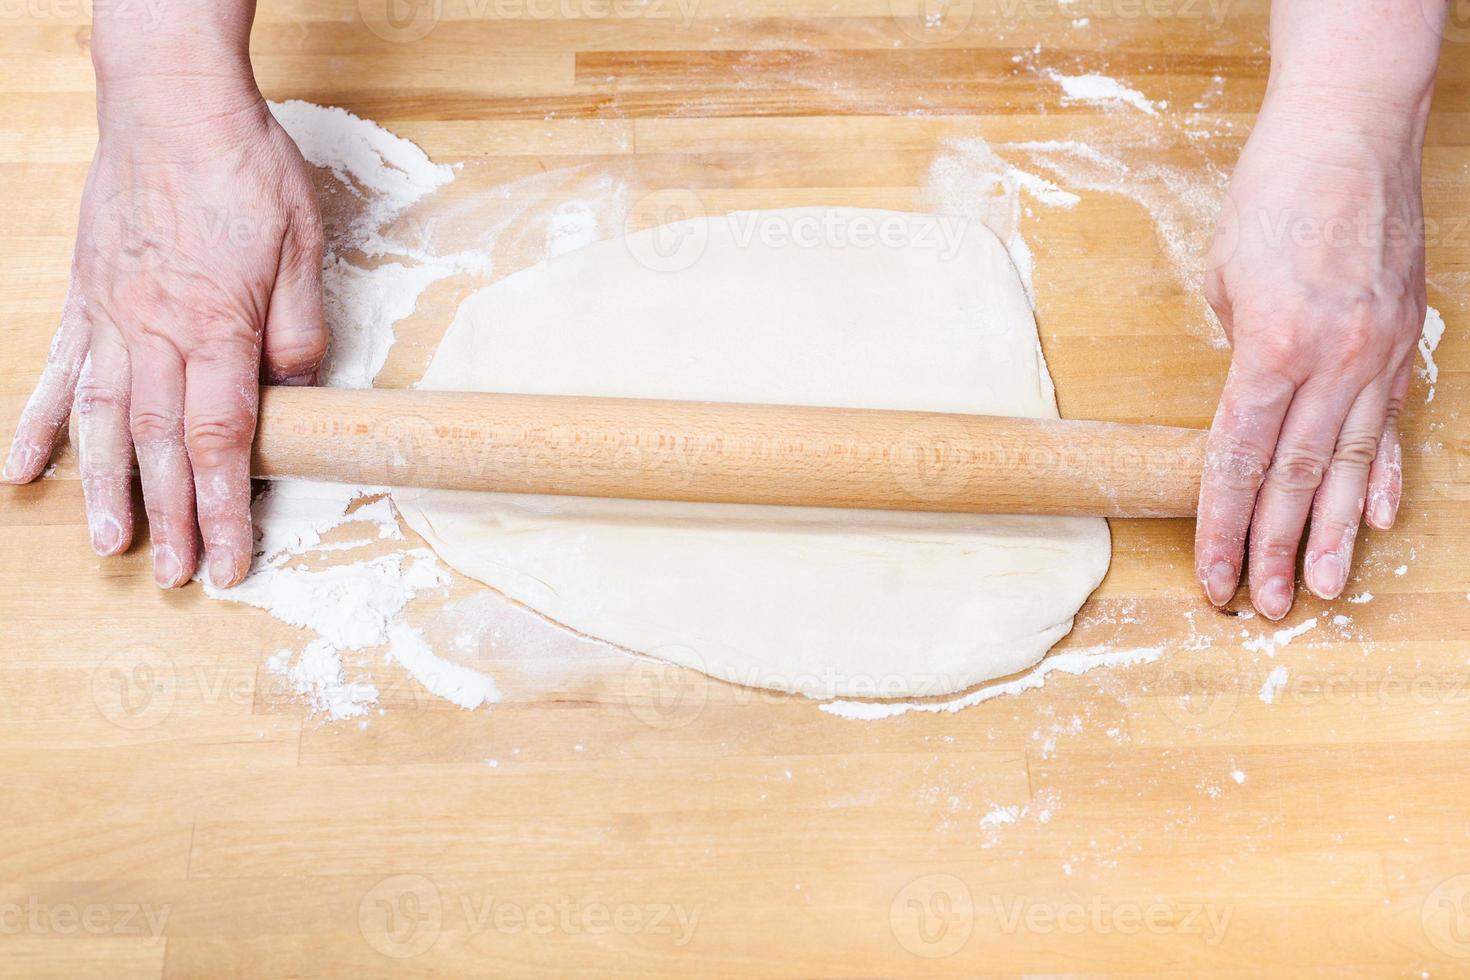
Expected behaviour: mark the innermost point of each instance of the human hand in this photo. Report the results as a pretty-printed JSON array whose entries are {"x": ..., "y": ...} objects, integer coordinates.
[
  {"x": 1318, "y": 279},
  {"x": 198, "y": 256}
]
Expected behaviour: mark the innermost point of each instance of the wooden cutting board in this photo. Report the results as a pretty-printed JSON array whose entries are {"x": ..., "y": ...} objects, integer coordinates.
[{"x": 1160, "y": 817}]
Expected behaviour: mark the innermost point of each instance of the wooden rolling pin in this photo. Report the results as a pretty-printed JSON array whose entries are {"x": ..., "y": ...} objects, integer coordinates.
[{"x": 728, "y": 453}]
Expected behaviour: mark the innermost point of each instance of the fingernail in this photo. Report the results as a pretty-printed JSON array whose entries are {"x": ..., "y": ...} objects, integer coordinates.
[
  {"x": 1221, "y": 582},
  {"x": 15, "y": 465},
  {"x": 1274, "y": 600},
  {"x": 167, "y": 569},
  {"x": 106, "y": 536},
  {"x": 1383, "y": 514},
  {"x": 1327, "y": 576},
  {"x": 222, "y": 567}
]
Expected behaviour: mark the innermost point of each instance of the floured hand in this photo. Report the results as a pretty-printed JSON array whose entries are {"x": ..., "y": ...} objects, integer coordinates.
[{"x": 197, "y": 266}]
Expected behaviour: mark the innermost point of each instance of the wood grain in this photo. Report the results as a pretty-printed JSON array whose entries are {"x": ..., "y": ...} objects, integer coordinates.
[{"x": 168, "y": 812}]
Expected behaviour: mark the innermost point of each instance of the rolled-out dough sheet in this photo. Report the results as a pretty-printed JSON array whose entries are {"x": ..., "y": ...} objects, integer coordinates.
[{"x": 807, "y": 306}]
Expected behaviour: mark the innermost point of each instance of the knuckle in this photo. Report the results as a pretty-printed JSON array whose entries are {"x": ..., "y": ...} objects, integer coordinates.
[
  {"x": 151, "y": 427},
  {"x": 230, "y": 332},
  {"x": 1354, "y": 340},
  {"x": 213, "y": 439},
  {"x": 1330, "y": 526},
  {"x": 1234, "y": 466},
  {"x": 295, "y": 352},
  {"x": 1296, "y": 471},
  {"x": 167, "y": 511},
  {"x": 1395, "y": 408},
  {"x": 1283, "y": 350},
  {"x": 96, "y": 394},
  {"x": 1355, "y": 451},
  {"x": 1272, "y": 549}
]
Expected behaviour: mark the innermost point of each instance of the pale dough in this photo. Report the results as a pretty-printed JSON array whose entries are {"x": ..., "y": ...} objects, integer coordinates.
[{"x": 812, "y": 306}]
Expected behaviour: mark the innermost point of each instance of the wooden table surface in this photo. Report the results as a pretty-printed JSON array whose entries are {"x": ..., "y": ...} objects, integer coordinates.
[{"x": 166, "y": 811}]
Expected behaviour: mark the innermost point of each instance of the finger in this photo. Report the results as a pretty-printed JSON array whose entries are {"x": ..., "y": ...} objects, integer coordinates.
[
  {"x": 296, "y": 329},
  {"x": 220, "y": 395},
  {"x": 1337, "y": 511},
  {"x": 1237, "y": 454},
  {"x": 104, "y": 447},
  {"x": 1386, "y": 477},
  {"x": 157, "y": 425},
  {"x": 50, "y": 403},
  {"x": 1308, "y": 437}
]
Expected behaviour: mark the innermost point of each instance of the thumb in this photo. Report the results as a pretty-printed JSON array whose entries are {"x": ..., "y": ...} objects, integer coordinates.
[{"x": 295, "y": 329}]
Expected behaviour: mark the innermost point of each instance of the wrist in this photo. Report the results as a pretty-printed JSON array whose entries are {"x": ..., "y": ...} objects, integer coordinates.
[
  {"x": 189, "y": 64},
  {"x": 1321, "y": 105},
  {"x": 1359, "y": 68},
  {"x": 1342, "y": 127}
]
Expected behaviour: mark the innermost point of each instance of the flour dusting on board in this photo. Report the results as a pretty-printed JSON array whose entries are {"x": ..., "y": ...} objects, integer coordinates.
[
  {"x": 967, "y": 179},
  {"x": 1067, "y": 662},
  {"x": 1181, "y": 202},
  {"x": 1428, "y": 344},
  {"x": 1101, "y": 90}
]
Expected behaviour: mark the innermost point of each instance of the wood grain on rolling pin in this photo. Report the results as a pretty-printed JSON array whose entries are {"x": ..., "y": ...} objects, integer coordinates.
[{"x": 729, "y": 453}]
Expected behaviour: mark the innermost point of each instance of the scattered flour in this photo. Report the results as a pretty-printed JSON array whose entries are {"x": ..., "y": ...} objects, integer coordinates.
[
  {"x": 1269, "y": 643},
  {"x": 349, "y": 607},
  {"x": 1361, "y": 598},
  {"x": 451, "y": 681},
  {"x": 572, "y": 225},
  {"x": 1101, "y": 90},
  {"x": 387, "y": 173},
  {"x": 1275, "y": 681},
  {"x": 361, "y": 306},
  {"x": 1068, "y": 662},
  {"x": 1000, "y": 815},
  {"x": 1182, "y": 203},
  {"x": 968, "y": 180},
  {"x": 1428, "y": 344},
  {"x": 318, "y": 675}
]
